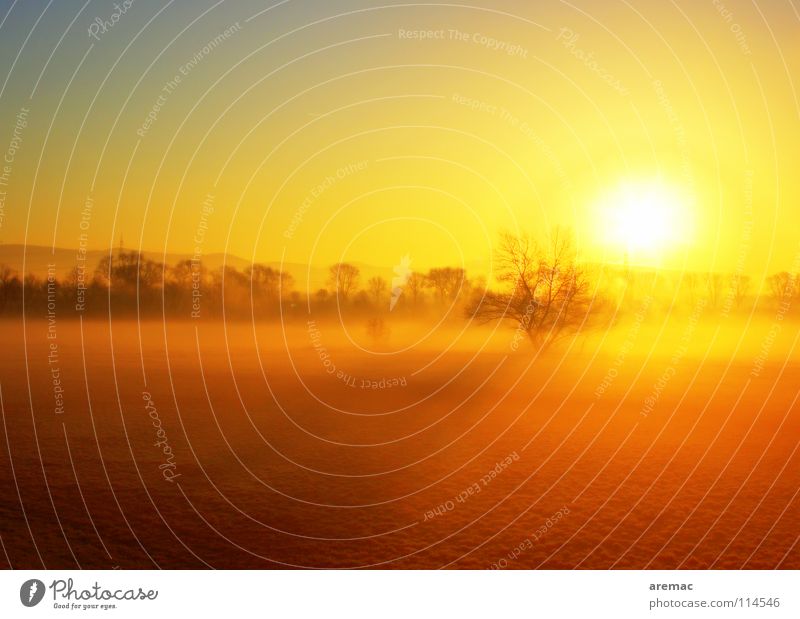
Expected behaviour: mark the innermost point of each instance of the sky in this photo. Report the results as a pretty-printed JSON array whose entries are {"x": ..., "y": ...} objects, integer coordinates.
[{"x": 319, "y": 132}]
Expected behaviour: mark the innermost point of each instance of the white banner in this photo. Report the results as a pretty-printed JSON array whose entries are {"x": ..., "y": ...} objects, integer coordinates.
[{"x": 401, "y": 594}]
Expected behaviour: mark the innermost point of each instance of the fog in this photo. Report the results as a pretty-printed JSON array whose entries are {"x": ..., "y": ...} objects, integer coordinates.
[{"x": 346, "y": 443}]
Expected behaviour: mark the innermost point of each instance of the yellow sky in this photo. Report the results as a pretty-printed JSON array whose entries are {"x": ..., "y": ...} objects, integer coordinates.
[{"x": 419, "y": 130}]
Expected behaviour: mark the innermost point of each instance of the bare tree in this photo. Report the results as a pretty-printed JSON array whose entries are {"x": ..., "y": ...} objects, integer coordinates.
[
  {"x": 233, "y": 287},
  {"x": 415, "y": 288},
  {"x": 377, "y": 289},
  {"x": 447, "y": 282},
  {"x": 267, "y": 282},
  {"x": 549, "y": 291},
  {"x": 782, "y": 286},
  {"x": 129, "y": 270},
  {"x": 343, "y": 279},
  {"x": 714, "y": 284},
  {"x": 740, "y": 288}
]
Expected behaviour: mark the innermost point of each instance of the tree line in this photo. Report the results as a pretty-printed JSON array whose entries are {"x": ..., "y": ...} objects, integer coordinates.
[
  {"x": 130, "y": 284},
  {"x": 540, "y": 288}
]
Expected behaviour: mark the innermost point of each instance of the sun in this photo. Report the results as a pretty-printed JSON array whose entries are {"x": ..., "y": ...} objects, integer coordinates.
[{"x": 644, "y": 218}]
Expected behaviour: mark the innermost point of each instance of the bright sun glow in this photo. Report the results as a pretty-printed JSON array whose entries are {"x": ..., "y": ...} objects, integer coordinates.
[{"x": 645, "y": 218}]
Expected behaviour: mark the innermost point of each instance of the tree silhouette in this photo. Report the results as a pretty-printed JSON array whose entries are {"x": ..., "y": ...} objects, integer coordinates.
[
  {"x": 782, "y": 286},
  {"x": 343, "y": 279},
  {"x": 414, "y": 288},
  {"x": 740, "y": 287},
  {"x": 377, "y": 289},
  {"x": 714, "y": 284},
  {"x": 267, "y": 283},
  {"x": 549, "y": 291},
  {"x": 447, "y": 282}
]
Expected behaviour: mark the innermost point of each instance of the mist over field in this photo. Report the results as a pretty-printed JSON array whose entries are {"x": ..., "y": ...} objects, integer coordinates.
[{"x": 659, "y": 442}]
